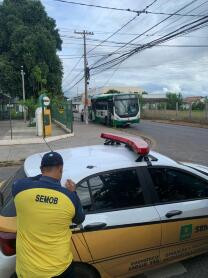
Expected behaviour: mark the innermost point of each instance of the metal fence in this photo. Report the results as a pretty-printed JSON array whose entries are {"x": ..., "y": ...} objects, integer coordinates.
[
  {"x": 13, "y": 109},
  {"x": 178, "y": 114},
  {"x": 61, "y": 112}
]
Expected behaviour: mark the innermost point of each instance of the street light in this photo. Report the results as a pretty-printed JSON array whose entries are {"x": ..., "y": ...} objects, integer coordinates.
[{"x": 23, "y": 91}]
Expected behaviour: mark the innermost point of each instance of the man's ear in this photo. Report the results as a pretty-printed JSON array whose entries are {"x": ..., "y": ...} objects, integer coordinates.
[{"x": 61, "y": 169}]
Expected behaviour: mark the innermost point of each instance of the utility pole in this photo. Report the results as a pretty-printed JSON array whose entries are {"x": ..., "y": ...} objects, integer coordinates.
[
  {"x": 23, "y": 91},
  {"x": 86, "y": 72}
]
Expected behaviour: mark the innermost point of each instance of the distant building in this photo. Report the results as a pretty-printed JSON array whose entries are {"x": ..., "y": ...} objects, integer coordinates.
[
  {"x": 154, "y": 98},
  {"x": 191, "y": 100},
  {"x": 152, "y": 101},
  {"x": 104, "y": 90},
  {"x": 77, "y": 103},
  {"x": 194, "y": 99}
]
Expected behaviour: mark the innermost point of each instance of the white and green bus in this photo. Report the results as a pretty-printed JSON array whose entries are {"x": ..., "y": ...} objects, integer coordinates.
[{"x": 119, "y": 109}]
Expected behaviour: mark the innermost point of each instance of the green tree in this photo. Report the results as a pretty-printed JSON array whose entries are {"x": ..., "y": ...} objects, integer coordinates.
[
  {"x": 31, "y": 105},
  {"x": 198, "y": 105},
  {"x": 172, "y": 99},
  {"x": 112, "y": 91},
  {"x": 28, "y": 38}
]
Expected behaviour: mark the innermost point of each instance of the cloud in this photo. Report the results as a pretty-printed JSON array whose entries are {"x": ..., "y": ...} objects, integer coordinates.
[{"x": 172, "y": 68}]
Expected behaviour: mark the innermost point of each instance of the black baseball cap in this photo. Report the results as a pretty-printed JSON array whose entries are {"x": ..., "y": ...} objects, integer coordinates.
[{"x": 51, "y": 159}]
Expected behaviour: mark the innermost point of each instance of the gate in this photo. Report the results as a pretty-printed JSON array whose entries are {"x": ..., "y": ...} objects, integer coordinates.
[{"x": 61, "y": 112}]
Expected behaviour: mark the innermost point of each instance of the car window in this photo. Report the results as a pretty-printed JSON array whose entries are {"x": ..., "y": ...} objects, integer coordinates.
[
  {"x": 84, "y": 195},
  {"x": 175, "y": 185},
  {"x": 116, "y": 190},
  {"x": 7, "y": 207}
]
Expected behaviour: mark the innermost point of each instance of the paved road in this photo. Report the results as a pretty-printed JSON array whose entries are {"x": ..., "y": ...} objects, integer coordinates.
[{"x": 182, "y": 143}]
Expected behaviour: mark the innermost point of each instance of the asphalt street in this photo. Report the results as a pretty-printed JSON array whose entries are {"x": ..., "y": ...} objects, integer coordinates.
[{"x": 183, "y": 143}]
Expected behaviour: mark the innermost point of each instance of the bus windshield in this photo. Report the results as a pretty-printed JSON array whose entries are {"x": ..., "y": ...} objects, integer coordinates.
[{"x": 127, "y": 107}]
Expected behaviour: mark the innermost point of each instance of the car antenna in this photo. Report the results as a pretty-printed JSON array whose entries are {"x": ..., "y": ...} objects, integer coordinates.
[{"x": 48, "y": 145}]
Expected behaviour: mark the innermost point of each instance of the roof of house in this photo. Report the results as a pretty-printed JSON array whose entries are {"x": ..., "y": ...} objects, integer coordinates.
[{"x": 192, "y": 99}]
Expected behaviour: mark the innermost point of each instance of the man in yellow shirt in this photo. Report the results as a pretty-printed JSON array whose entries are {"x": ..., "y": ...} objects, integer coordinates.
[{"x": 45, "y": 210}]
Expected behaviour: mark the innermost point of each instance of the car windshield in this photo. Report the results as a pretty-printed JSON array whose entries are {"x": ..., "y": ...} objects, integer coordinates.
[
  {"x": 7, "y": 207},
  {"x": 126, "y": 107}
]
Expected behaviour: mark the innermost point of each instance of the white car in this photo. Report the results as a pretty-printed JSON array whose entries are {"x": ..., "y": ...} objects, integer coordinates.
[{"x": 143, "y": 209}]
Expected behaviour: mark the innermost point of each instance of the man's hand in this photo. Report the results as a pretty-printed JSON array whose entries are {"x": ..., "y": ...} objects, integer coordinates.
[{"x": 70, "y": 185}]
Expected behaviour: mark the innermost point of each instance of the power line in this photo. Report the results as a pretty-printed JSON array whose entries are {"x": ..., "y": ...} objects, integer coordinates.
[
  {"x": 122, "y": 27},
  {"x": 120, "y": 43},
  {"x": 111, "y": 76},
  {"x": 149, "y": 29},
  {"x": 176, "y": 20},
  {"x": 71, "y": 57},
  {"x": 184, "y": 29},
  {"x": 99, "y": 6},
  {"x": 113, "y": 33},
  {"x": 145, "y": 47},
  {"x": 127, "y": 34},
  {"x": 152, "y": 3},
  {"x": 185, "y": 45},
  {"x": 167, "y": 37},
  {"x": 124, "y": 10},
  {"x": 68, "y": 89},
  {"x": 76, "y": 64},
  {"x": 175, "y": 14}
]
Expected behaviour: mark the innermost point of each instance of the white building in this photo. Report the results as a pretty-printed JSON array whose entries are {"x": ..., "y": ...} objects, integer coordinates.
[{"x": 104, "y": 90}]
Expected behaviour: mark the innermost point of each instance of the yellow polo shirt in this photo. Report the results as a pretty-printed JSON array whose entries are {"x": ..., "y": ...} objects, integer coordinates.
[{"x": 45, "y": 210}]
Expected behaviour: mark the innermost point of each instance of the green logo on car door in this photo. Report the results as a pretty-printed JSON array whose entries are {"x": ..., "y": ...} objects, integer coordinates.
[{"x": 186, "y": 232}]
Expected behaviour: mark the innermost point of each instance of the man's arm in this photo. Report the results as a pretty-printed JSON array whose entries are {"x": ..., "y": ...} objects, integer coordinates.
[{"x": 79, "y": 216}]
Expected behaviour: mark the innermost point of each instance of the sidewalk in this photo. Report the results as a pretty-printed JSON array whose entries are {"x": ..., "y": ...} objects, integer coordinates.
[
  {"x": 21, "y": 133},
  {"x": 83, "y": 135},
  {"x": 21, "y": 129}
]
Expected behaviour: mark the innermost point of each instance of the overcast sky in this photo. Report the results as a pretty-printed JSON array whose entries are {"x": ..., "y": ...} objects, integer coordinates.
[{"x": 159, "y": 69}]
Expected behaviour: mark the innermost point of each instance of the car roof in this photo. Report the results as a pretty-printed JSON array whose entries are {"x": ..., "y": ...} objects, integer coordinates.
[{"x": 81, "y": 162}]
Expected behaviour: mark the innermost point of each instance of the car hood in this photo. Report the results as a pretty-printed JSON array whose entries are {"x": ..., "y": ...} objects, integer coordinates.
[{"x": 196, "y": 166}]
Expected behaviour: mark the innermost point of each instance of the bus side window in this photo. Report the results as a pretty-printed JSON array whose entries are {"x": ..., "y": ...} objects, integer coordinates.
[{"x": 110, "y": 107}]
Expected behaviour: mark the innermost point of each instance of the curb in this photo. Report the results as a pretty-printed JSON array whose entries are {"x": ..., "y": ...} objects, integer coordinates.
[
  {"x": 181, "y": 123},
  {"x": 11, "y": 163},
  {"x": 34, "y": 140},
  {"x": 66, "y": 129},
  {"x": 150, "y": 141}
]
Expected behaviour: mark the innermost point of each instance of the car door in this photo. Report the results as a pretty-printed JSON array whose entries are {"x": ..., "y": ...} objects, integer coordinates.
[
  {"x": 183, "y": 208},
  {"x": 122, "y": 231}
]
